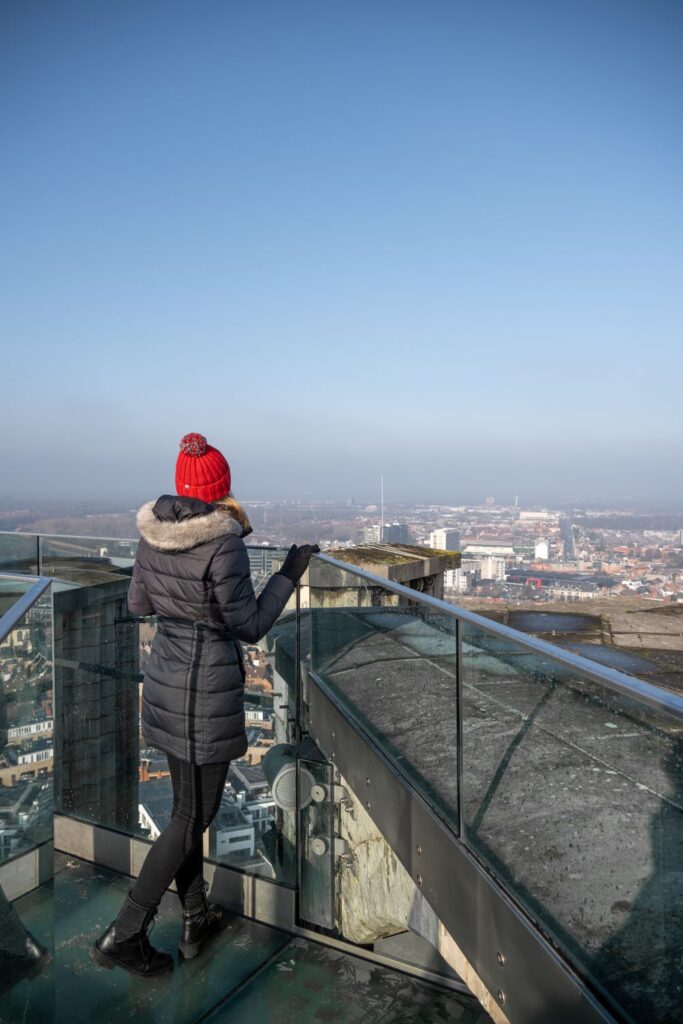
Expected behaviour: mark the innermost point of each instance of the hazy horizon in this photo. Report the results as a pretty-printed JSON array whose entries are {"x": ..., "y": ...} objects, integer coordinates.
[{"x": 434, "y": 241}]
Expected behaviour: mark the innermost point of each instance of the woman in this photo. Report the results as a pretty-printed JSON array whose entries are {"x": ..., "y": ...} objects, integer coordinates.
[{"x": 192, "y": 571}]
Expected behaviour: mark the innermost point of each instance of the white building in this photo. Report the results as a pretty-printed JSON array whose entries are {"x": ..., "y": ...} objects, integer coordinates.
[
  {"x": 541, "y": 549},
  {"x": 446, "y": 539},
  {"x": 536, "y": 517},
  {"x": 41, "y": 752},
  {"x": 233, "y": 832},
  {"x": 22, "y": 732},
  {"x": 489, "y": 547},
  {"x": 455, "y": 579},
  {"x": 371, "y": 534},
  {"x": 492, "y": 568}
]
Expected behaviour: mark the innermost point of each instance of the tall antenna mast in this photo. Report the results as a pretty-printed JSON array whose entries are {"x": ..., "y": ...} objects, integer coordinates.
[{"x": 381, "y": 490}]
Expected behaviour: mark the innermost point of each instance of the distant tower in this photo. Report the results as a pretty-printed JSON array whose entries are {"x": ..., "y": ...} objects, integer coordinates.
[
  {"x": 516, "y": 501},
  {"x": 381, "y": 490}
]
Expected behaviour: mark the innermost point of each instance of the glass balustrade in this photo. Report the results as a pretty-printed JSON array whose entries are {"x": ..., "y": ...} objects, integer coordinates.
[
  {"x": 561, "y": 778},
  {"x": 106, "y": 774},
  {"x": 571, "y": 791},
  {"x": 11, "y": 589},
  {"x": 19, "y": 553},
  {"x": 392, "y": 661},
  {"x": 26, "y": 718},
  {"x": 573, "y": 796}
]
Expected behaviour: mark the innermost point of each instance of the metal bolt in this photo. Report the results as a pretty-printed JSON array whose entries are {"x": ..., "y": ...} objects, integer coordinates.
[
  {"x": 367, "y": 782},
  {"x": 367, "y": 804},
  {"x": 501, "y": 997},
  {"x": 501, "y": 959},
  {"x": 419, "y": 850},
  {"x": 419, "y": 879}
]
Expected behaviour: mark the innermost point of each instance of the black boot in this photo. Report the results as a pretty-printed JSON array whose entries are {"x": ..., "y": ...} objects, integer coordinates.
[
  {"x": 201, "y": 920},
  {"x": 21, "y": 955},
  {"x": 125, "y": 943}
]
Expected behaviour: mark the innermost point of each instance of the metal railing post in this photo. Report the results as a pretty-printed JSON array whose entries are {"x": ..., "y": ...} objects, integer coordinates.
[{"x": 459, "y": 728}]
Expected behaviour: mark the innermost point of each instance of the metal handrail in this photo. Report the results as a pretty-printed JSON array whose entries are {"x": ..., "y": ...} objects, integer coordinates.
[
  {"x": 10, "y": 619},
  {"x": 629, "y": 686},
  {"x": 66, "y": 536},
  {"x": 116, "y": 540}
]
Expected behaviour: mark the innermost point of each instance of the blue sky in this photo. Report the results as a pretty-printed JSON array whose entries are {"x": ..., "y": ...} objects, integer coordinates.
[{"x": 439, "y": 240}]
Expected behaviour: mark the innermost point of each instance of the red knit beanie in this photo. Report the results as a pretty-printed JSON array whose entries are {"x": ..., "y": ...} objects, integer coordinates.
[{"x": 200, "y": 470}]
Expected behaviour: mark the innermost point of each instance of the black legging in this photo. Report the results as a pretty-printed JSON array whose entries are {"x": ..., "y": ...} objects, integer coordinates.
[{"x": 177, "y": 851}]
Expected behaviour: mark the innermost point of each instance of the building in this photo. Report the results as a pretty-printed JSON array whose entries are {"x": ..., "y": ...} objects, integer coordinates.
[
  {"x": 411, "y": 564},
  {"x": 486, "y": 546},
  {"x": 155, "y": 804},
  {"x": 492, "y": 568},
  {"x": 542, "y": 549},
  {"x": 233, "y": 834},
  {"x": 261, "y": 559},
  {"x": 17, "y": 805},
  {"x": 446, "y": 539},
  {"x": 371, "y": 534},
  {"x": 30, "y": 730},
  {"x": 396, "y": 533},
  {"x": 153, "y": 764},
  {"x": 455, "y": 580}
]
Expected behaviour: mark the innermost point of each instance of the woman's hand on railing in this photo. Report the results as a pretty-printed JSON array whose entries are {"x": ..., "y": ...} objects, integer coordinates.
[{"x": 296, "y": 561}]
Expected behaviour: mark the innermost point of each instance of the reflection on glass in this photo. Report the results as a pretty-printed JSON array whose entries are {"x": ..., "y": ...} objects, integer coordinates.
[
  {"x": 96, "y": 684},
  {"x": 26, "y": 731},
  {"x": 10, "y": 591},
  {"x": 574, "y": 796},
  {"x": 19, "y": 553},
  {"x": 86, "y": 560}
]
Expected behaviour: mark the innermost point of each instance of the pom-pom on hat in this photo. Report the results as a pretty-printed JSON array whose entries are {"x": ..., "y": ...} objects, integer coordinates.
[{"x": 200, "y": 470}]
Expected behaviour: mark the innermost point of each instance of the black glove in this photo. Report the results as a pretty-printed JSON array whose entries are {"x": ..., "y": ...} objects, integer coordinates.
[{"x": 296, "y": 561}]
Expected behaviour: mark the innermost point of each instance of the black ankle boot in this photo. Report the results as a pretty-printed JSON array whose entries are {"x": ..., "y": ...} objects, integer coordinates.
[
  {"x": 26, "y": 960},
  {"x": 125, "y": 943},
  {"x": 201, "y": 920}
]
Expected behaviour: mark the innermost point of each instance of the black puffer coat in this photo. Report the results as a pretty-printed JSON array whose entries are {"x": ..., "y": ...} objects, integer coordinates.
[{"x": 192, "y": 571}]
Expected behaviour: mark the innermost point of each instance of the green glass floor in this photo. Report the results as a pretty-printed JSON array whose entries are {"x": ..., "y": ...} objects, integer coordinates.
[{"x": 250, "y": 973}]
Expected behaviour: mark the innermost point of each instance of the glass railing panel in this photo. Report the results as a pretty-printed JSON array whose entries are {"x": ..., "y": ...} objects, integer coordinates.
[
  {"x": 107, "y": 774},
  {"x": 259, "y": 801},
  {"x": 19, "y": 553},
  {"x": 26, "y": 731},
  {"x": 392, "y": 662},
  {"x": 85, "y": 560},
  {"x": 97, "y": 653},
  {"x": 12, "y": 588},
  {"x": 573, "y": 795}
]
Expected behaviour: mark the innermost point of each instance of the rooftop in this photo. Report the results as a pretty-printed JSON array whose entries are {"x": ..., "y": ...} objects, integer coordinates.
[{"x": 395, "y": 554}]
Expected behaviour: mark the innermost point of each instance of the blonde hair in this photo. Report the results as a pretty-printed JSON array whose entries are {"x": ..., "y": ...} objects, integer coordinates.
[{"x": 231, "y": 506}]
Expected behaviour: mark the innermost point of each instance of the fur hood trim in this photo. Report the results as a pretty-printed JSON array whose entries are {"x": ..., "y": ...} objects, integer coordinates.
[{"x": 169, "y": 536}]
